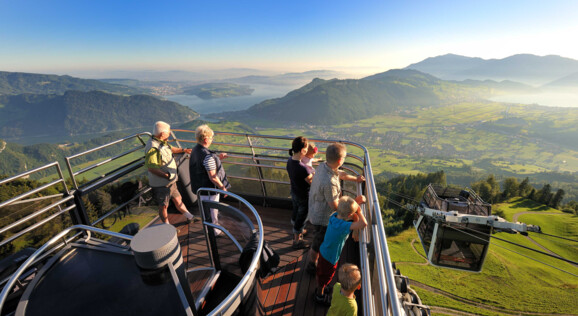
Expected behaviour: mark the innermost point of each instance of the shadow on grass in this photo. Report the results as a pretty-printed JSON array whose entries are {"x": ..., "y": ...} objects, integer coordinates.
[{"x": 529, "y": 204}]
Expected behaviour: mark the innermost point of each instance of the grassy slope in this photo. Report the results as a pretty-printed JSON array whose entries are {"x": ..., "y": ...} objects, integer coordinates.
[
  {"x": 466, "y": 140},
  {"x": 550, "y": 220},
  {"x": 508, "y": 280}
]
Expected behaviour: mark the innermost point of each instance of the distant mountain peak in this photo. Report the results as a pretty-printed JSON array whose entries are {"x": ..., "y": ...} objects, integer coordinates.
[
  {"x": 525, "y": 68},
  {"x": 402, "y": 73}
]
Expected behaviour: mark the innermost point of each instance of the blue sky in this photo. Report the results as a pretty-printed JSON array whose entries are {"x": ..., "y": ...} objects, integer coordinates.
[{"x": 64, "y": 36}]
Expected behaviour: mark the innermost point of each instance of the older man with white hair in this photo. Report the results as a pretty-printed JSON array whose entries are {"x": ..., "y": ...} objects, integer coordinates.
[{"x": 162, "y": 171}]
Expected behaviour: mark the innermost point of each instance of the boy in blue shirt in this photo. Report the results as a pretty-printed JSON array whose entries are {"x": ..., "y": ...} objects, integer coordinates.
[{"x": 330, "y": 250}]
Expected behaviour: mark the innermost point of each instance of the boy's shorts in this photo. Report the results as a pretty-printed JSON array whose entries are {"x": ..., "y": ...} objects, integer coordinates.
[
  {"x": 325, "y": 271},
  {"x": 318, "y": 236},
  {"x": 163, "y": 195}
]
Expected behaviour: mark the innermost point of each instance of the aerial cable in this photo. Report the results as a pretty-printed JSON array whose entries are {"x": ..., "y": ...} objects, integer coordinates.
[
  {"x": 574, "y": 240},
  {"x": 400, "y": 205},
  {"x": 513, "y": 243},
  {"x": 407, "y": 197},
  {"x": 394, "y": 202},
  {"x": 544, "y": 263},
  {"x": 549, "y": 265},
  {"x": 538, "y": 251}
]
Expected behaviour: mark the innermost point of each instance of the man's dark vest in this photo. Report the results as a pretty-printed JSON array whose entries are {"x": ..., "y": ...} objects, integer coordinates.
[{"x": 199, "y": 175}]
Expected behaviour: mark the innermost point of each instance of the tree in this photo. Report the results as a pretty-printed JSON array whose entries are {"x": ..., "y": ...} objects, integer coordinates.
[
  {"x": 488, "y": 190},
  {"x": 532, "y": 194},
  {"x": 557, "y": 199},
  {"x": 525, "y": 188},
  {"x": 483, "y": 189},
  {"x": 511, "y": 188},
  {"x": 544, "y": 195}
]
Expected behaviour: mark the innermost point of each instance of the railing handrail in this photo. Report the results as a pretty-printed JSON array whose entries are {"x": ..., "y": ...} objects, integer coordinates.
[
  {"x": 385, "y": 275},
  {"x": 251, "y": 271},
  {"x": 86, "y": 152},
  {"x": 375, "y": 238},
  {"x": 384, "y": 266}
]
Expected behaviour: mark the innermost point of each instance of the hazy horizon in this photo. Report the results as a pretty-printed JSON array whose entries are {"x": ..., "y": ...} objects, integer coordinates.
[{"x": 91, "y": 38}]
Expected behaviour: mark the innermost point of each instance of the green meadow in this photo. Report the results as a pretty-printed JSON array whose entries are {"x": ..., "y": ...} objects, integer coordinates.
[{"x": 468, "y": 141}]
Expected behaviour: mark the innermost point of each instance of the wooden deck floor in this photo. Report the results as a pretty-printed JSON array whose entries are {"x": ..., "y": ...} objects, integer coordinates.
[{"x": 287, "y": 292}]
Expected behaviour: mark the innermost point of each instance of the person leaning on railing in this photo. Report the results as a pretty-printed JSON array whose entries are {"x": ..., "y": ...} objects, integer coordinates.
[
  {"x": 206, "y": 169},
  {"x": 300, "y": 179},
  {"x": 324, "y": 196},
  {"x": 162, "y": 171}
]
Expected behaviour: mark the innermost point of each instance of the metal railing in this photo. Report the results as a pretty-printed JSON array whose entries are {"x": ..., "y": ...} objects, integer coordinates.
[
  {"x": 264, "y": 152},
  {"x": 75, "y": 174},
  {"x": 30, "y": 222},
  {"x": 232, "y": 301},
  {"x": 266, "y": 156}
]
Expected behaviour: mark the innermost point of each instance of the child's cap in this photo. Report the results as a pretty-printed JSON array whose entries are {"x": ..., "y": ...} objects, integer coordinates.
[{"x": 311, "y": 148}]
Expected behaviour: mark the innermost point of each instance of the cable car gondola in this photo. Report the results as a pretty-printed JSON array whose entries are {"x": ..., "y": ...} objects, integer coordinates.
[
  {"x": 450, "y": 242},
  {"x": 455, "y": 226}
]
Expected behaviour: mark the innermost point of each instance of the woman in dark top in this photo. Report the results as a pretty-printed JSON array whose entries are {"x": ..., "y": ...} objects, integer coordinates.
[{"x": 300, "y": 182}]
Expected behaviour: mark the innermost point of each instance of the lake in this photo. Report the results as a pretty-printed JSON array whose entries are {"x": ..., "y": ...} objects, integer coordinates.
[{"x": 203, "y": 107}]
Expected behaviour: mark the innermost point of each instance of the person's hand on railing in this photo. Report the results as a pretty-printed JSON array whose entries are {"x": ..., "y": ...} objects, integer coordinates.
[
  {"x": 223, "y": 156},
  {"x": 355, "y": 235},
  {"x": 355, "y": 232},
  {"x": 360, "y": 199}
]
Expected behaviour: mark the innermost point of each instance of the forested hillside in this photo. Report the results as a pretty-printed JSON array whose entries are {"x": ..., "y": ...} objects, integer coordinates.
[
  {"x": 12, "y": 83},
  {"x": 326, "y": 102},
  {"x": 77, "y": 113}
]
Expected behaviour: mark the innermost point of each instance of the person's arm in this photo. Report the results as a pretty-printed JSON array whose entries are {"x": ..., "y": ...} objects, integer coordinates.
[
  {"x": 360, "y": 199},
  {"x": 333, "y": 204},
  {"x": 177, "y": 150},
  {"x": 348, "y": 177},
  {"x": 215, "y": 179},
  {"x": 158, "y": 172},
  {"x": 309, "y": 178},
  {"x": 359, "y": 220}
]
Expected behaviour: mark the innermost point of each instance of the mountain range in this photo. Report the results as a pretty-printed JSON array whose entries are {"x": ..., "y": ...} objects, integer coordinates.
[
  {"x": 327, "y": 102},
  {"x": 288, "y": 79},
  {"x": 524, "y": 68},
  {"x": 12, "y": 83},
  {"x": 37, "y": 104}
]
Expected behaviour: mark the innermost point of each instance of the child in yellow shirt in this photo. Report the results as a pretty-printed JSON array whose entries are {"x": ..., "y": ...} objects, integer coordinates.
[{"x": 343, "y": 300}]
